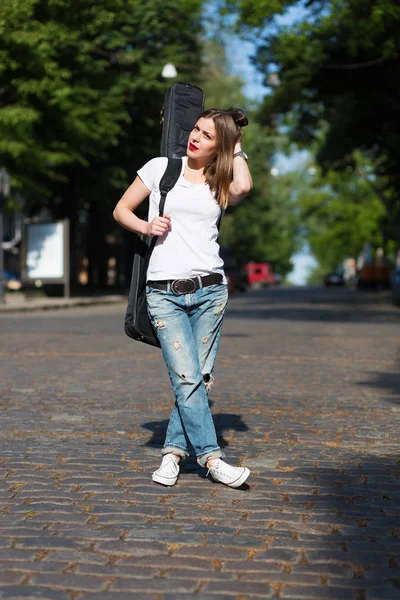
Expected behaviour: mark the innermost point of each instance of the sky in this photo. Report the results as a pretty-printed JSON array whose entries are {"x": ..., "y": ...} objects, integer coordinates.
[{"x": 239, "y": 54}]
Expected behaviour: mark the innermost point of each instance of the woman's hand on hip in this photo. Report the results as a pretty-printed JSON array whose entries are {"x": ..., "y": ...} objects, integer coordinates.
[{"x": 159, "y": 225}]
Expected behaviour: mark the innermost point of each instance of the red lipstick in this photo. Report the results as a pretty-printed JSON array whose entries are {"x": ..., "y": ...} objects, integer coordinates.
[{"x": 192, "y": 147}]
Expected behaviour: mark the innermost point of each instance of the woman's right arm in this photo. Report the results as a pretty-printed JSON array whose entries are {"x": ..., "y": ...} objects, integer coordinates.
[{"x": 124, "y": 212}]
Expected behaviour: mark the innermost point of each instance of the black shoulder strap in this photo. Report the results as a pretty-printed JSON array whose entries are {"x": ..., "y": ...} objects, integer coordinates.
[{"x": 169, "y": 179}]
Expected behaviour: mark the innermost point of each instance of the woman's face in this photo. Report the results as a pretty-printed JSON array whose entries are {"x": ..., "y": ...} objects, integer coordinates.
[{"x": 202, "y": 142}]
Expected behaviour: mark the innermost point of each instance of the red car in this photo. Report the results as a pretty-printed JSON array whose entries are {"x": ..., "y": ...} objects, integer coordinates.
[{"x": 259, "y": 274}]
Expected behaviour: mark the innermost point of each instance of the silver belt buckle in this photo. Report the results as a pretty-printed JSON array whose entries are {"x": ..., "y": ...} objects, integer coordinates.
[{"x": 183, "y": 286}]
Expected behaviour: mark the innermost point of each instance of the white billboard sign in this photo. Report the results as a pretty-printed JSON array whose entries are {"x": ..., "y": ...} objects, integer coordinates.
[{"x": 45, "y": 243}]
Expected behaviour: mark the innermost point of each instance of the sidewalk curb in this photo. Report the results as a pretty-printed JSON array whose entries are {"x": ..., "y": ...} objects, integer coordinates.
[{"x": 58, "y": 303}]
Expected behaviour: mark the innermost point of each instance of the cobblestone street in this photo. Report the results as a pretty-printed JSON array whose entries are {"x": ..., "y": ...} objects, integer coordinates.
[{"x": 307, "y": 395}]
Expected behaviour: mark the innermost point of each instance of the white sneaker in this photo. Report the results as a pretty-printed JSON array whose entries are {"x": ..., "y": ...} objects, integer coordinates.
[
  {"x": 224, "y": 473},
  {"x": 168, "y": 472}
]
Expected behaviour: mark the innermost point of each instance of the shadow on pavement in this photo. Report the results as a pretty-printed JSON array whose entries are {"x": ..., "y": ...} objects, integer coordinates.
[
  {"x": 317, "y": 295},
  {"x": 384, "y": 381},
  {"x": 352, "y": 520},
  {"x": 327, "y": 305},
  {"x": 222, "y": 421}
]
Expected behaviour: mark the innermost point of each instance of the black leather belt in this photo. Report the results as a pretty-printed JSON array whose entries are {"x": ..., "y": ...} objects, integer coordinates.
[{"x": 185, "y": 286}]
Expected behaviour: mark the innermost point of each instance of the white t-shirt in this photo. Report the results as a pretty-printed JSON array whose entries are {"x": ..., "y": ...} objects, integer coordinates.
[{"x": 191, "y": 247}]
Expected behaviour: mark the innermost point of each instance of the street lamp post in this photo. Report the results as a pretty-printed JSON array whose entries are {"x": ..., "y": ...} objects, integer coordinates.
[{"x": 4, "y": 192}]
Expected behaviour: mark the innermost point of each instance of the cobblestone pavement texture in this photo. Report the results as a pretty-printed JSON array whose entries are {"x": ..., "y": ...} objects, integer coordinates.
[{"x": 307, "y": 395}]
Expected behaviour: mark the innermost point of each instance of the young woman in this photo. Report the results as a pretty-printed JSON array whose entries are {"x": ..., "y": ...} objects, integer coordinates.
[{"x": 186, "y": 286}]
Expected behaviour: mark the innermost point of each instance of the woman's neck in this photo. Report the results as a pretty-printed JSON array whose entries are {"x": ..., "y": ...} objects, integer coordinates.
[
  {"x": 196, "y": 165},
  {"x": 194, "y": 170}
]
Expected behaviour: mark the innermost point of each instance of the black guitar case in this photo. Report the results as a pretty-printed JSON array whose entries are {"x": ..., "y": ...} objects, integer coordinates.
[
  {"x": 183, "y": 104},
  {"x": 137, "y": 322}
]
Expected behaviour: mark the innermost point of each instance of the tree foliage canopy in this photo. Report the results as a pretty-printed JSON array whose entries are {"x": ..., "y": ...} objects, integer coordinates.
[
  {"x": 339, "y": 68},
  {"x": 264, "y": 227},
  {"x": 81, "y": 80},
  {"x": 340, "y": 212},
  {"x": 80, "y": 97}
]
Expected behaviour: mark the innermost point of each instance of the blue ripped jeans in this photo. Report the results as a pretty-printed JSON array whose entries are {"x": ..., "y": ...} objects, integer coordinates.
[{"x": 189, "y": 329}]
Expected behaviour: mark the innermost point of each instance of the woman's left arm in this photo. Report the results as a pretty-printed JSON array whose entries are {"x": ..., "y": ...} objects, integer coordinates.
[{"x": 242, "y": 182}]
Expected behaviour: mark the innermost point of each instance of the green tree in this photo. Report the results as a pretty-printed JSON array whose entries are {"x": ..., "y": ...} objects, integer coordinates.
[
  {"x": 267, "y": 224},
  {"x": 338, "y": 67},
  {"x": 75, "y": 75},
  {"x": 316, "y": 275},
  {"x": 264, "y": 227},
  {"x": 340, "y": 212},
  {"x": 80, "y": 96}
]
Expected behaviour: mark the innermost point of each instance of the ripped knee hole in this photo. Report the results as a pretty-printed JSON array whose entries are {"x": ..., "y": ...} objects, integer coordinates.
[{"x": 208, "y": 380}]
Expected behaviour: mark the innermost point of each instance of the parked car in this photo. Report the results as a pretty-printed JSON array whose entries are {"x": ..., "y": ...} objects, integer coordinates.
[
  {"x": 334, "y": 279},
  {"x": 277, "y": 279},
  {"x": 374, "y": 275},
  {"x": 259, "y": 274}
]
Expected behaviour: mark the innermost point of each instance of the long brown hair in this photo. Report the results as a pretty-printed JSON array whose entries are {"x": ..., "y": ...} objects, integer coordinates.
[{"x": 219, "y": 172}]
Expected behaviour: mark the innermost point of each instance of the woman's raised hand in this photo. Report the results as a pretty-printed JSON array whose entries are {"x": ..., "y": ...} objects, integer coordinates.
[
  {"x": 159, "y": 225},
  {"x": 238, "y": 144}
]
